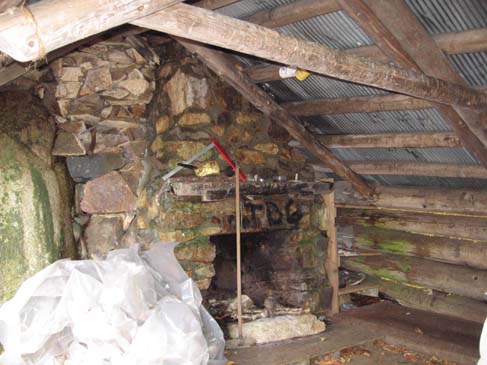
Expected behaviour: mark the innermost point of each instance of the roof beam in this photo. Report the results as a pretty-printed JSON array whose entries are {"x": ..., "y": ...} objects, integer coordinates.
[
  {"x": 28, "y": 35},
  {"x": 293, "y": 12},
  {"x": 229, "y": 70},
  {"x": 451, "y": 43},
  {"x": 391, "y": 140},
  {"x": 416, "y": 199},
  {"x": 357, "y": 104},
  {"x": 218, "y": 30},
  {"x": 398, "y": 33},
  {"x": 418, "y": 169}
]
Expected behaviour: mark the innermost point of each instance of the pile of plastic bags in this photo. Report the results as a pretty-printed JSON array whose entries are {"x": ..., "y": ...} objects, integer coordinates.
[{"x": 130, "y": 309}]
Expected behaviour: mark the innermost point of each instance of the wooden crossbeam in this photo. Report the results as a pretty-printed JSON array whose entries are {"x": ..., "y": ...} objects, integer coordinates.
[
  {"x": 218, "y": 30},
  {"x": 451, "y": 43},
  {"x": 390, "y": 140},
  {"x": 229, "y": 70},
  {"x": 398, "y": 33},
  {"x": 416, "y": 199},
  {"x": 418, "y": 169},
  {"x": 356, "y": 104}
]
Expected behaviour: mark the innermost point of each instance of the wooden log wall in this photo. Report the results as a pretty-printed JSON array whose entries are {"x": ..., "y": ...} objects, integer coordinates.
[{"x": 429, "y": 260}]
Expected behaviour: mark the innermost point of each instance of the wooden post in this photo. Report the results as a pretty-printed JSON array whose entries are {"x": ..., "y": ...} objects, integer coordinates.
[
  {"x": 332, "y": 253},
  {"x": 239, "y": 254}
]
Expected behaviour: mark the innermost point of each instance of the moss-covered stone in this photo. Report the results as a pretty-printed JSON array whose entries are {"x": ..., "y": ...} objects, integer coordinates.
[{"x": 30, "y": 219}]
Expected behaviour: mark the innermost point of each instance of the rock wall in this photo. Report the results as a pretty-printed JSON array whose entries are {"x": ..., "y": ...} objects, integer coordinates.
[
  {"x": 192, "y": 106},
  {"x": 102, "y": 93},
  {"x": 35, "y": 219}
]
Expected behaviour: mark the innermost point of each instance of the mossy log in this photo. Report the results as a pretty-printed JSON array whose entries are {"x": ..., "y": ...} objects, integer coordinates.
[
  {"x": 435, "y": 301},
  {"x": 456, "y": 227},
  {"x": 389, "y": 241},
  {"x": 444, "y": 277}
]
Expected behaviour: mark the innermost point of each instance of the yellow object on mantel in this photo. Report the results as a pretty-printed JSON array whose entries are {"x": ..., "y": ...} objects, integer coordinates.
[
  {"x": 288, "y": 72},
  {"x": 207, "y": 168},
  {"x": 302, "y": 75}
]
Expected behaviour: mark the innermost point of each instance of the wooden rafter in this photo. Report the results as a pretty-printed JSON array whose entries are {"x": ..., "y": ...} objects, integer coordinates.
[
  {"x": 418, "y": 169},
  {"x": 28, "y": 35},
  {"x": 390, "y": 140},
  {"x": 229, "y": 70},
  {"x": 398, "y": 33},
  {"x": 211, "y": 28},
  {"x": 356, "y": 104},
  {"x": 451, "y": 43}
]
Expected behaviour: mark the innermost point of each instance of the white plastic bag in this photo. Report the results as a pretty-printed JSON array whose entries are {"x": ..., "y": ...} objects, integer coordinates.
[
  {"x": 483, "y": 346},
  {"x": 130, "y": 309}
]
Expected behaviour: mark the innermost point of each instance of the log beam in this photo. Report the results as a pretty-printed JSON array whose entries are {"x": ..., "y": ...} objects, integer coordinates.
[
  {"x": 450, "y": 43},
  {"x": 459, "y": 280},
  {"x": 435, "y": 301},
  {"x": 218, "y": 30},
  {"x": 389, "y": 241},
  {"x": 399, "y": 34},
  {"x": 455, "y": 227},
  {"x": 418, "y": 169},
  {"x": 390, "y": 140},
  {"x": 229, "y": 70},
  {"x": 357, "y": 104},
  {"x": 416, "y": 200},
  {"x": 29, "y": 33}
]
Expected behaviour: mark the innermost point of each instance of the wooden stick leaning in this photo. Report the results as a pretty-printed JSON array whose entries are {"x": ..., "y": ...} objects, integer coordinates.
[{"x": 239, "y": 258}]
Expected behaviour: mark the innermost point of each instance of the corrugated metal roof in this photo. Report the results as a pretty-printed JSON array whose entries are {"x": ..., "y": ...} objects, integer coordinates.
[
  {"x": 334, "y": 30},
  {"x": 471, "y": 66},
  {"x": 337, "y": 30},
  {"x": 442, "y": 16},
  {"x": 437, "y": 154},
  {"x": 400, "y": 121},
  {"x": 444, "y": 182},
  {"x": 244, "y": 8}
]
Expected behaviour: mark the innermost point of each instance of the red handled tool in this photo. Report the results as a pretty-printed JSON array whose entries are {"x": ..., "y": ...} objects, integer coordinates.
[{"x": 214, "y": 144}]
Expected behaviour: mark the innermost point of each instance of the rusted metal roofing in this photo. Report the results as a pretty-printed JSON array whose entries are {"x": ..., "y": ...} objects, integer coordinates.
[{"x": 337, "y": 30}]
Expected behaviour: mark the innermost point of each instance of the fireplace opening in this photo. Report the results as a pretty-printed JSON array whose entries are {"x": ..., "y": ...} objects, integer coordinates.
[{"x": 268, "y": 267}]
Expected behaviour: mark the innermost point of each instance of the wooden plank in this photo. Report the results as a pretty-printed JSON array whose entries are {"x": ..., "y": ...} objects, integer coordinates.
[
  {"x": 459, "y": 280},
  {"x": 424, "y": 199},
  {"x": 366, "y": 239},
  {"x": 454, "y": 227},
  {"x": 29, "y": 33},
  {"x": 356, "y": 104},
  {"x": 418, "y": 169},
  {"x": 228, "y": 68},
  {"x": 337, "y": 337},
  {"x": 293, "y": 12},
  {"x": 332, "y": 250},
  {"x": 399, "y": 34},
  {"x": 218, "y": 30},
  {"x": 389, "y": 140}
]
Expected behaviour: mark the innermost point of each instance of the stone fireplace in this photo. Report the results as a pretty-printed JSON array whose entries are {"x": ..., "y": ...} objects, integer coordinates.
[{"x": 124, "y": 117}]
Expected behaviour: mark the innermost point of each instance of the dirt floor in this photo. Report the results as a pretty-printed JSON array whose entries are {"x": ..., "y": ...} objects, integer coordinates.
[{"x": 378, "y": 353}]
